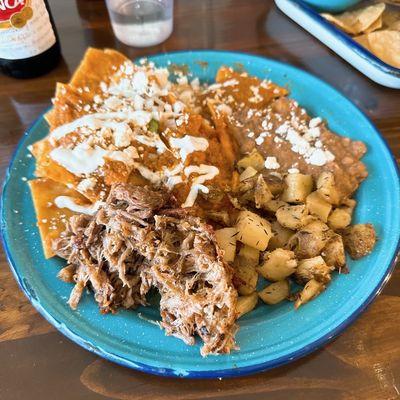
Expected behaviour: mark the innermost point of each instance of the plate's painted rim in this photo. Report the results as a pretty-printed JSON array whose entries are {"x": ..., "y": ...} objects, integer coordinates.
[
  {"x": 222, "y": 373},
  {"x": 349, "y": 41}
]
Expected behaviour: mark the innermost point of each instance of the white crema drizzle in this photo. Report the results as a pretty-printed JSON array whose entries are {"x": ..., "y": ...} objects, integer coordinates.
[
  {"x": 69, "y": 203},
  {"x": 206, "y": 173},
  {"x": 134, "y": 101},
  {"x": 99, "y": 120}
]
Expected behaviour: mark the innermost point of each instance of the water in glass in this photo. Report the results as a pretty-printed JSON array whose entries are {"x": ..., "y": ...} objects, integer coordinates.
[{"x": 141, "y": 23}]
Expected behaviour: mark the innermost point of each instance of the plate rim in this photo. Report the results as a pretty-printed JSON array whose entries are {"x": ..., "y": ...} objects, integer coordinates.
[{"x": 217, "y": 373}]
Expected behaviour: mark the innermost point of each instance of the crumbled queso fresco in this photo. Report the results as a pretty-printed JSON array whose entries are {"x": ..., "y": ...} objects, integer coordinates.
[
  {"x": 271, "y": 163},
  {"x": 119, "y": 120},
  {"x": 304, "y": 138},
  {"x": 116, "y": 128}
]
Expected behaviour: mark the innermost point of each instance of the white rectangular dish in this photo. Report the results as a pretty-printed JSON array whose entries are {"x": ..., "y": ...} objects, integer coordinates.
[{"x": 341, "y": 43}]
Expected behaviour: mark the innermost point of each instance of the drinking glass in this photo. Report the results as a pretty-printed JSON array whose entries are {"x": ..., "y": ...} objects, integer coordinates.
[{"x": 141, "y": 23}]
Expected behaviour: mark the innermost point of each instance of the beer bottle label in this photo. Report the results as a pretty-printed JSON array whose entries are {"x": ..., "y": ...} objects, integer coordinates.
[{"x": 25, "y": 29}]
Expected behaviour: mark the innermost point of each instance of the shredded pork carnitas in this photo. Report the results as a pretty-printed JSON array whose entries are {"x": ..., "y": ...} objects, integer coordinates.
[{"x": 137, "y": 241}]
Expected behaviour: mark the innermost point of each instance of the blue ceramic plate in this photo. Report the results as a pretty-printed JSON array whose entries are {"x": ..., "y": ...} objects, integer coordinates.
[
  {"x": 332, "y": 5},
  {"x": 270, "y": 335}
]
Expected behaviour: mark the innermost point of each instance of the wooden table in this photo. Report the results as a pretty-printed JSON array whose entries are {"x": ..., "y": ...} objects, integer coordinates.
[{"x": 37, "y": 362}]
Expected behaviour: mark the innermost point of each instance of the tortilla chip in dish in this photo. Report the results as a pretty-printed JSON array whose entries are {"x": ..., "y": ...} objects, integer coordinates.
[{"x": 51, "y": 220}]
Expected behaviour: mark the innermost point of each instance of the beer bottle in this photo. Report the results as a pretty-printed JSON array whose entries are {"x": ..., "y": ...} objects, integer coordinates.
[{"x": 29, "y": 44}]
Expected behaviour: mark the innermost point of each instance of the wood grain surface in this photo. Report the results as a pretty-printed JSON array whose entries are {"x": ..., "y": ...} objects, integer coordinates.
[{"x": 36, "y": 362}]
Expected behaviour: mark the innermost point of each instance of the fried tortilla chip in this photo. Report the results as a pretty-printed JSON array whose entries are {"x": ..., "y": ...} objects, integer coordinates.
[
  {"x": 357, "y": 21},
  {"x": 51, "y": 219},
  {"x": 243, "y": 90},
  {"x": 72, "y": 101},
  {"x": 47, "y": 168},
  {"x": 395, "y": 26},
  {"x": 391, "y": 19},
  {"x": 363, "y": 40},
  {"x": 67, "y": 105},
  {"x": 78, "y": 98},
  {"x": 230, "y": 149},
  {"x": 384, "y": 44},
  {"x": 375, "y": 25},
  {"x": 97, "y": 66}
]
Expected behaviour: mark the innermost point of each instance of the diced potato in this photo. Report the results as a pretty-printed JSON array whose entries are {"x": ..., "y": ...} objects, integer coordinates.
[
  {"x": 262, "y": 194},
  {"x": 226, "y": 239},
  {"x": 311, "y": 290},
  {"x": 246, "y": 303},
  {"x": 254, "y": 159},
  {"x": 275, "y": 184},
  {"x": 326, "y": 187},
  {"x": 275, "y": 292},
  {"x": 318, "y": 206},
  {"x": 250, "y": 255},
  {"x": 278, "y": 265},
  {"x": 247, "y": 185},
  {"x": 247, "y": 197},
  {"x": 292, "y": 217},
  {"x": 359, "y": 240},
  {"x": 349, "y": 205},
  {"x": 310, "y": 240},
  {"x": 313, "y": 268},
  {"x": 298, "y": 187},
  {"x": 245, "y": 279},
  {"x": 280, "y": 236},
  {"x": 254, "y": 230},
  {"x": 339, "y": 219},
  {"x": 249, "y": 172},
  {"x": 333, "y": 252},
  {"x": 274, "y": 204},
  {"x": 246, "y": 190}
]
